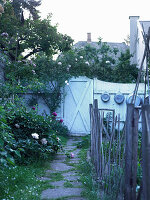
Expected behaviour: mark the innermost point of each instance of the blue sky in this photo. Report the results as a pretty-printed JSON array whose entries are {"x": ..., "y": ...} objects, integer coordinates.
[{"x": 108, "y": 19}]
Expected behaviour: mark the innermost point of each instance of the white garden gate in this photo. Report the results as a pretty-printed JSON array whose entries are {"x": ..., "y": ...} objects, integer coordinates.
[{"x": 78, "y": 96}]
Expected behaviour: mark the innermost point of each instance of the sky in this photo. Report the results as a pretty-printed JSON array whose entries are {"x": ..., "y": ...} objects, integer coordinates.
[{"x": 108, "y": 19}]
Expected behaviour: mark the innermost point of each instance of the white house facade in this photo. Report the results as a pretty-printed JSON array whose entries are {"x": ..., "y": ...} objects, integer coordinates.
[{"x": 137, "y": 45}]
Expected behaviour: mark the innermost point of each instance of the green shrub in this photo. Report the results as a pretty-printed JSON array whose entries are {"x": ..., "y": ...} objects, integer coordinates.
[
  {"x": 34, "y": 135},
  {"x": 7, "y": 142}
]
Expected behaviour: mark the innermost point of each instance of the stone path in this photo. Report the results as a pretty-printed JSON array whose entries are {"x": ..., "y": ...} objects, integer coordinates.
[{"x": 63, "y": 176}]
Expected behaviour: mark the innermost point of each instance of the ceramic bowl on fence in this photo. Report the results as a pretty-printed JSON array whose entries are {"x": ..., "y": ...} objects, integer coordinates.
[
  {"x": 105, "y": 97},
  {"x": 138, "y": 100},
  {"x": 119, "y": 98}
]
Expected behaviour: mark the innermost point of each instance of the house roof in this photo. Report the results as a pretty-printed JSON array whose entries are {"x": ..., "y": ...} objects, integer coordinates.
[{"x": 122, "y": 47}]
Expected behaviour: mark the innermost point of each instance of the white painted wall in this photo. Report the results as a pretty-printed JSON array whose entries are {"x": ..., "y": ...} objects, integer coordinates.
[{"x": 81, "y": 92}]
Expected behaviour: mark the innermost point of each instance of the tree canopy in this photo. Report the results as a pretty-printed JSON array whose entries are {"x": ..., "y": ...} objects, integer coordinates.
[{"x": 22, "y": 39}]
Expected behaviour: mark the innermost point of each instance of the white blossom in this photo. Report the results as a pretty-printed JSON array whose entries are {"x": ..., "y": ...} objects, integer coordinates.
[
  {"x": 69, "y": 66},
  {"x": 59, "y": 63},
  {"x": 67, "y": 69},
  {"x": 44, "y": 141},
  {"x": 35, "y": 135},
  {"x": 87, "y": 63},
  {"x": 33, "y": 71},
  {"x": 76, "y": 59},
  {"x": 107, "y": 61},
  {"x": 81, "y": 57},
  {"x": 58, "y": 139},
  {"x": 17, "y": 126}
]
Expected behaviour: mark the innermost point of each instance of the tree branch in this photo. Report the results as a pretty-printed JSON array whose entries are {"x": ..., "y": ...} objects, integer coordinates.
[{"x": 32, "y": 52}]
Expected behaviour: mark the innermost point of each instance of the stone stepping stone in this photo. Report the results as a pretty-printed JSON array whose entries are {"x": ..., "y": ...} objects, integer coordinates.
[
  {"x": 72, "y": 173},
  {"x": 75, "y": 184},
  {"x": 61, "y": 167},
  {"x": 44, "y": 179},
  {"x": 71, "y": 178},
  {"x": 76, "y": 198},
  {"x": 58, "y": 183},
  {"x": 74, "y": 161},
  {"x": 61, "y": 192}
]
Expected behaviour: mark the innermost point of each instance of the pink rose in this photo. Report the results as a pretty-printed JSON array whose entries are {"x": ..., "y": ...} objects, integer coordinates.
[
  {"x": 61, "y": 120},
  {"x": 54, "y": 114}
]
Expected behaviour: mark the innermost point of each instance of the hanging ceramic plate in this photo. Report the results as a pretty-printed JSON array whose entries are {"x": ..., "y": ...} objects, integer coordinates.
[
  {"x": 119, "y": 98},
  {"x": 105, "y": 97},
  {"x": 138, "y": 100}
]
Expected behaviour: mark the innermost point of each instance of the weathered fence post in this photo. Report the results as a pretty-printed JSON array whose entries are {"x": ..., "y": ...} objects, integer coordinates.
[
  {"x": 131, "y": 152},
  {"x": 146, "y": 151},
  {"x": 91, "y": 128},
  {"x": 97, "y": 136},
  {"x": 134, "y": 152}
]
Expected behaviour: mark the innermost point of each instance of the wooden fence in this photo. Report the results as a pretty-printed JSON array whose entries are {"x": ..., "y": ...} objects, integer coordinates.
[{"x": 114, "y": 152}]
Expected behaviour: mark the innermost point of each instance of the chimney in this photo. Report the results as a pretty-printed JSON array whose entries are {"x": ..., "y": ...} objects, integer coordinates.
[
  {"x": 133, "y": 38},
  {"x": 88, "y": 37}
]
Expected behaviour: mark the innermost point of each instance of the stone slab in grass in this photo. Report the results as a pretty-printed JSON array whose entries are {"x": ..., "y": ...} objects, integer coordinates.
[
  {"x": 76, "y": 198},
  {"x": 74, "y": 161},
  {"x": 61, "y": 192},
  {"x": 71, "y": 178},
  {"x": 58, "y": 183},
  {"x": 60, "y": 157},
  {"x": 72, "y": 173},
  {"x": 60, "y": 167},
  {"x": 44, "y": 178}
]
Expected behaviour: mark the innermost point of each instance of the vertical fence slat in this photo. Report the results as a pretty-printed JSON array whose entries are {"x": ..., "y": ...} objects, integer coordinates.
[
  {"x": 128, "y": 151},
  {"x": 134, "y": 152},
  {"x": 146, "y": 151}
]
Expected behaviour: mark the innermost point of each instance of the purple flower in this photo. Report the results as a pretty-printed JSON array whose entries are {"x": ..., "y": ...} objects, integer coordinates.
[
  {"x": 54, "y": 114},
  {"x": 33, "y": 108},
  {"x": 61, "y": 120},
  {"x": 4, "y": 34},
  {"x": 72, "y": 155}
]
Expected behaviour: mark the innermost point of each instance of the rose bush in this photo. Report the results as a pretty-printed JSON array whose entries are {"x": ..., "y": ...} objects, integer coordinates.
[{"x": 35, "y": 135}]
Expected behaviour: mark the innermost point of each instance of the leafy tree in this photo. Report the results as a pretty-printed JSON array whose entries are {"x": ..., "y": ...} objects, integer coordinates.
[
  {"x": 20, "y": 5},
  {"x": 124, "y": 72},
  {"x": 20, "y": 41}
]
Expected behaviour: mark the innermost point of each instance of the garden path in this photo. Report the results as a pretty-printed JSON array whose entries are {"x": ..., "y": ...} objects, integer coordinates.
[{"x": 63, "y": 175}]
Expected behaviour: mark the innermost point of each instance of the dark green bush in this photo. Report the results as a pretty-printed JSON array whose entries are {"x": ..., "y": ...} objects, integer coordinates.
[
  {"x": 34, "y": 135},
  {"x": 7, "y": 142}
]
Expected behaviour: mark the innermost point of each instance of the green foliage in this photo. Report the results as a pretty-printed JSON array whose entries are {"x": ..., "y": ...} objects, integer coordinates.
[
  {"x": 8, "y": 149},
  {"x": 26, "y": 136},
  {"x": 22, "y": 182},
  {"x": 124, "y": 72},
  {"x": 100, "y": 63},
  {"x": 30, "y": 37},
  {"x": 25, "y": 124},
  {"x": 87, "y": 175}
]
